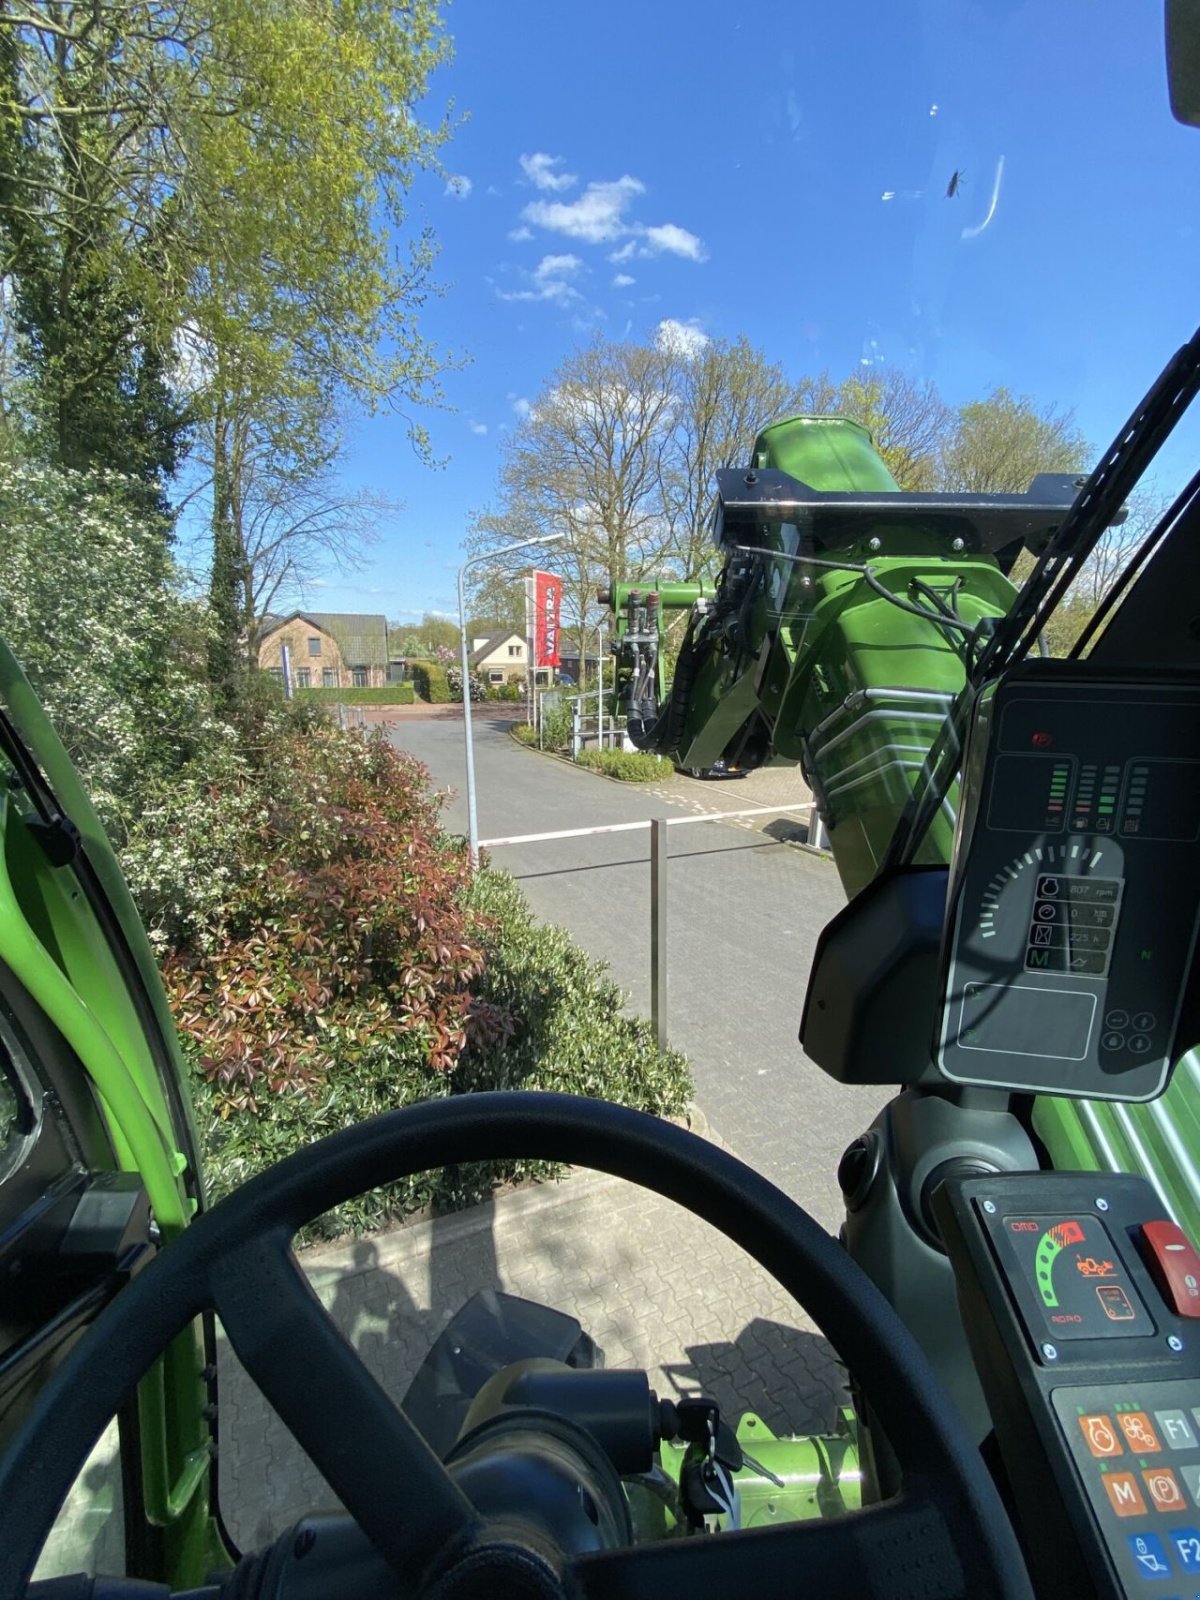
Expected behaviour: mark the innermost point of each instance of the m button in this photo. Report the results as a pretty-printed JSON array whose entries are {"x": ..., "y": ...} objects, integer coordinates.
[{"x": 1123, "y": 1492}]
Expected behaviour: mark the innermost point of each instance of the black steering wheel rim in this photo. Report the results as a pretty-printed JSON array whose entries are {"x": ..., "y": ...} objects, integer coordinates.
[{"x": 237, "y": 1257}]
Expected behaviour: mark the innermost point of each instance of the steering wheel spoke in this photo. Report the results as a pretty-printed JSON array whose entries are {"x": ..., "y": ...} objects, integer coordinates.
[
  {"x": 899, "y": 1547},
  {"x": 367, "y": 1450}
]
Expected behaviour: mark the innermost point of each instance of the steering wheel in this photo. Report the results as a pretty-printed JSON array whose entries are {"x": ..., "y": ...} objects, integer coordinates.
[{"x": 945, "y": 1534}]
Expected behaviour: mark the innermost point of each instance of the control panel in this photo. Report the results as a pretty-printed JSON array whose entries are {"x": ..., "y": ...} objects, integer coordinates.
[
  {"x": 1075, "y": 894},
  {"x": 1081, "y": 1302}
]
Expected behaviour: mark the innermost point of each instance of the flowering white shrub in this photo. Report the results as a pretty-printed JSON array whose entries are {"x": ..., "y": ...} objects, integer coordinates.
[{"x": 90, "y": 607}]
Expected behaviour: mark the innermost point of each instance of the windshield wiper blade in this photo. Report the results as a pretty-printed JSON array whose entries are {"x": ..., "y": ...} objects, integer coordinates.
[{"x": 1098, "y": 505}]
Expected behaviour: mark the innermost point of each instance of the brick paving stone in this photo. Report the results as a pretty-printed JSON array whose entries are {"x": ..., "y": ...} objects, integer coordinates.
[{"x": 656, "y": 1287}]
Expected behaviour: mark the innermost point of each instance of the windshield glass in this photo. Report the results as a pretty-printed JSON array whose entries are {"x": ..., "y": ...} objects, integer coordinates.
[{"x": 473, "y": 478}]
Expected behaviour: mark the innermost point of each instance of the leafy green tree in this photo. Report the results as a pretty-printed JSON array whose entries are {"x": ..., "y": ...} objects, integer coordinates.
[{"x": 1002, "y": 442}]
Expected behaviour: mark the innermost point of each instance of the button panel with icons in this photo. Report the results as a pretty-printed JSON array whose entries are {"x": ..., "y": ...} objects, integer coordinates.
[
  {"x": 1138, "y": 1455},
  {"x": 1093, "y": 1296}
]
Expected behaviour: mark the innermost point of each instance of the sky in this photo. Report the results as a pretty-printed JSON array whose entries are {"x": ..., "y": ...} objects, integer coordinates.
[{"x": 778, "y": 168}]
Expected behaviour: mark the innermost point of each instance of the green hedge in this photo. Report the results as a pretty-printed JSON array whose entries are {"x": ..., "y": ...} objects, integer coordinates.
[
  {"x": 431, "y": 682},
  {"x": 389, "y": 694},
  {"x": 525, "y": 733},
  {"x": 631, "y": 766}
]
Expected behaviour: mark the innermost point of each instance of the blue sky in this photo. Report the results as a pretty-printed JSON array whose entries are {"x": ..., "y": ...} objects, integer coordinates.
[{"x": 778, "y": 168}]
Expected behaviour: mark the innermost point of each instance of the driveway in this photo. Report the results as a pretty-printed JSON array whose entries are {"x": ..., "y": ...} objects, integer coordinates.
[{"x": 744, "y": 913}]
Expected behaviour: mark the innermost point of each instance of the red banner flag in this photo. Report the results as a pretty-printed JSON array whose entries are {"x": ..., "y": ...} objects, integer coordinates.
[{"x": 547, "y": 600}]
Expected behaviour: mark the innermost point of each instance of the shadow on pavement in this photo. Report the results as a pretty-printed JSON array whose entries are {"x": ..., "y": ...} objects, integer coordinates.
[
  {"x": 267, "y": 1481},
  {"x": 789, "y": 1377}
]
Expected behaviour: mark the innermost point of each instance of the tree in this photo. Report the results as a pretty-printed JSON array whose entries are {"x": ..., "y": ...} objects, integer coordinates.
[
  {"x": 280, "y": 515},
  {"x": 232, "y": 169},
  {"x": 908, "y": 420},
  {"x": 723, "y": 393},
  {"x": 1001, "y": 443},
  {"x": 586, "y": 464}
]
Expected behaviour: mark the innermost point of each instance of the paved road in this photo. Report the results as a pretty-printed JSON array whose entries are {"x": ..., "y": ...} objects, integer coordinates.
[{"x": 745, "y": 911}]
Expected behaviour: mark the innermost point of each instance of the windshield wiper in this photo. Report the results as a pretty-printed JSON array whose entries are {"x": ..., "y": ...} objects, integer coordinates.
[{"x": 1096, "y": 508}]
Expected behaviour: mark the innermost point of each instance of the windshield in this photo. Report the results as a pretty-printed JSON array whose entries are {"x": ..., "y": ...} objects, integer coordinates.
[{"x": 389, "y": 401}]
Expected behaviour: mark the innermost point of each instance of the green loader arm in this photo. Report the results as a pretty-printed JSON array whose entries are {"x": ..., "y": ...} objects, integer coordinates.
[{"x": 838, "y": 631}]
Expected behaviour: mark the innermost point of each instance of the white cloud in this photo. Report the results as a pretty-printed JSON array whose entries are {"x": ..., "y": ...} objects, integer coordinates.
[
  {"x": 520, "y": 405},
  {"x": 622, "y": 280},
  {"x": 676, "y": 338},
  {"x": 478, "y": 427},
  {"x": 539, "y": 169},
  {"x": 674, "y": 240},
  {"x": 458, "y": 187},
  {"x": 519, "y": 235},
  {"x": 549, "y": 281},
  {"x": 597, "y": 216}
]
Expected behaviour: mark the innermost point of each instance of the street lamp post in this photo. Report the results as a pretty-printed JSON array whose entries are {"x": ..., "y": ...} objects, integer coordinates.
[{"x": 489, "y": 555}]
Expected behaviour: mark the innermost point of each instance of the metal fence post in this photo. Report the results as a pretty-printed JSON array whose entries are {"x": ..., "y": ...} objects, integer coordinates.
[{"x": 658, "y": 929}]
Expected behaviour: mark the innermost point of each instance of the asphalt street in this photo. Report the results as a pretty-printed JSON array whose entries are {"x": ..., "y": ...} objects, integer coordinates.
[{"x": 744, "y": 913}]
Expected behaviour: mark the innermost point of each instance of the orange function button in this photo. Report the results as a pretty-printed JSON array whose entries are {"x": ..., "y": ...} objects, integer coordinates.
[
  {"x": 1163, "y": 1489},
  {"x": 1174, "y": 1266},
  {"x": 1126, "y": 1497},
  {"x": 1101, "y": 1436},
  {"x": 1139, "y": 1430}
]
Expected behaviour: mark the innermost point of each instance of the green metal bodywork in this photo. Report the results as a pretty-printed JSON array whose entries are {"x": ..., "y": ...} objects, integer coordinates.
[
  {"x": 854, "y": 689},
  {"x": 101, "y": 989}
]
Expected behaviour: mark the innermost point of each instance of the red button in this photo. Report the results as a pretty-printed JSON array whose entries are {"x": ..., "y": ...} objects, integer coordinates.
[{"x": 1174, "y": 1266}]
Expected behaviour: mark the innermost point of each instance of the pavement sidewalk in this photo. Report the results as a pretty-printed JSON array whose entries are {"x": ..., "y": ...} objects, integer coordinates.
[{"x": 656, "y": 1287}]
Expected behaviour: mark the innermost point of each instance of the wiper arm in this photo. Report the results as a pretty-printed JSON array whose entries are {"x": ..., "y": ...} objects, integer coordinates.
[{"x": 1098, "y": 505}]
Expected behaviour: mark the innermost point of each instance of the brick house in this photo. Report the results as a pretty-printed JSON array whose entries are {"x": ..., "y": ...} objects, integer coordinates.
[{"x": 327, "y": 649}]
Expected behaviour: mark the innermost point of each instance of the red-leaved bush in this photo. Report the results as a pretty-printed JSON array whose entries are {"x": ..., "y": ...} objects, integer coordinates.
[{"x": 344, "y": 930}]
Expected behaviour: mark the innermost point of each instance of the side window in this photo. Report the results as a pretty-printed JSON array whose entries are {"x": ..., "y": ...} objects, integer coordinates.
[
  {"x": 329, "y": 678},
  {"x": 314, "y": 646},
  {"x": 303, "y": 678}
]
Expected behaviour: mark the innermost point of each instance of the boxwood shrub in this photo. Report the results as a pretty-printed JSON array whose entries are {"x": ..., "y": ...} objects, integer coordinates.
[
  {"x": 431, "y": 682},
  {"x": 388, "y": 694},
  {"x": 631, "y": 766}
]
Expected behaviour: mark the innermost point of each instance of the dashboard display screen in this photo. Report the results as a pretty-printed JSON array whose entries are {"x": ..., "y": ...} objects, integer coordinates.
[{"x": 1080, "y": 1287}]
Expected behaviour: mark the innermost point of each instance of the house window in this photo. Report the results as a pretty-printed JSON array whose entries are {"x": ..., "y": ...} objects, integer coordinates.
[
  {"x": 495, "y": 677},
  {"x": 329, "y": 678},
  {"x": 314, "y": 646},
  {"x": 514, "y": 650},
  {"x": 358, "y": 677},
  {"x": 303, "y": 678}
]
